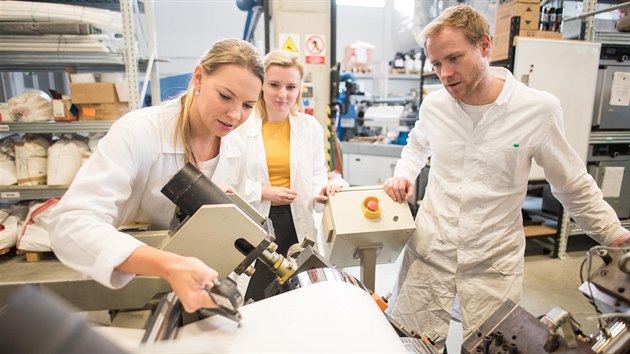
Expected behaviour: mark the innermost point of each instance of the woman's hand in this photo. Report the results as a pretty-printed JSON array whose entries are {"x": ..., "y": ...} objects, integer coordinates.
[
  {"x": 188, "y": 276},
  {"x": 190, "y": 279},
  {"x": 228, "y": 189},
  {"x": 279, "y": 195},
  {"x": 330, "y": 189}
]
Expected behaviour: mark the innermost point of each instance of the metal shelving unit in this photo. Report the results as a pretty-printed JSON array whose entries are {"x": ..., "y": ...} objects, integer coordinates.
[
  {"x": 126, "y": 61},
  {"x": 16, "y": 193},
  {"x": 608, "y": 137},
  {"x": 97, "y": 126},
  {"x": 28, "y": 61}
]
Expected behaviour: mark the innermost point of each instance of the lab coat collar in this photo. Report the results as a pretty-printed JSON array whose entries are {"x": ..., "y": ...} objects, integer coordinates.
[
  {"x": 232, "y": 146},
  {"x": 253, "y": 126},
  {"x": 508, "y": 88},
  {"x": 169, "y": 111},
  {"x": 505, "y": 75}
]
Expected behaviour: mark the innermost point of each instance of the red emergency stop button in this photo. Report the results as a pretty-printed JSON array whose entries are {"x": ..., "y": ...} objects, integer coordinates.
[
  {"x": 372, "y": 205},
  {"x": 371, "y": 208}
]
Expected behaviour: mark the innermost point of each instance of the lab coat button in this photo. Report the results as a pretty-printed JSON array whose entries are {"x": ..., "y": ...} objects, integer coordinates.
[{"x": 466, "y": 180}]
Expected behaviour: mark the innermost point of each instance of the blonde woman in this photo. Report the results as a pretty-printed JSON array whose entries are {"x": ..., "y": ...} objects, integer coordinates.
[
  {"x": 286, "y": 166},
  {"x": 121, "y": 183}
]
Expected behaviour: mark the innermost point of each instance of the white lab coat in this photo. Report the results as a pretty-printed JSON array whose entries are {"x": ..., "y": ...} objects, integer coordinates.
[
  {"x": 469, "y": 236},
  {"x": 308, "y": 169},
  {"x": 121, "y": 184}
]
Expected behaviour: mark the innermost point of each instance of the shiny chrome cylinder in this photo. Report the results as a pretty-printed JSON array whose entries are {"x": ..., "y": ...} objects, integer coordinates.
[
  {"x": 318, "y": 275},
  {"x": 165, "y": 320}
]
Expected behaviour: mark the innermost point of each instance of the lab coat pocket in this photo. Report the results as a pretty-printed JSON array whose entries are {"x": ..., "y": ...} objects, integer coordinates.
[
  {"x": 423, "y": 238},
  {"x": 507, "y": 167},
  {"x": 507, "y": 252}
]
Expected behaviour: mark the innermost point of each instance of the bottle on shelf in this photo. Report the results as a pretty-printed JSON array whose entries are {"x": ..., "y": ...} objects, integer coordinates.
[
  {"x": 559, "y": 11},
  {"x": 552, "y": 19},
  {"x": 544, "y": 19}
]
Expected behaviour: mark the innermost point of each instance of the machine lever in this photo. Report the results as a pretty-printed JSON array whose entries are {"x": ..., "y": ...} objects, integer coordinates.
[{"x": 229, "y": 299}]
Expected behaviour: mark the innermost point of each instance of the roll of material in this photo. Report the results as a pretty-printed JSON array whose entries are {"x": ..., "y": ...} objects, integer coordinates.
[
  {"x": 319, "y": 275},
  {"x": 65, "y": 157},
  {"x": 31, "y": 160},
  {"x": 31, "y": 106}
]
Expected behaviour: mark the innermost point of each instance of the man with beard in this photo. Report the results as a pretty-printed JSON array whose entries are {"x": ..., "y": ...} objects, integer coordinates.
[{"x": 481, "y": 131}]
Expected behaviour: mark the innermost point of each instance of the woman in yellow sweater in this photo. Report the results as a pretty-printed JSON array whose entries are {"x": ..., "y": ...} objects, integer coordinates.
[{"x": 286, "y": 167}]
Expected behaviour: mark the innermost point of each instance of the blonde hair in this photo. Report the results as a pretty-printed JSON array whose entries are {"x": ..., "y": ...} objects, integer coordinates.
[
  {"x": 283, "y": 59},
  {"x": 223, "y": 52},
  {"x": 474, "y": 25}
]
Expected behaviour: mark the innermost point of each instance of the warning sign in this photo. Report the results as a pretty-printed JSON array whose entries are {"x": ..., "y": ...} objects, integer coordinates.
[
  {"x": 289, "y": 42},
  {"x": 315, "y": 46}
]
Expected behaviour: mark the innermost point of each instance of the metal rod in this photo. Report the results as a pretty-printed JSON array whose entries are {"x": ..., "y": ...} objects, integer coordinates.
[
  {"x": 267, "y": 19},
  {"x": 591, "y": 13}
]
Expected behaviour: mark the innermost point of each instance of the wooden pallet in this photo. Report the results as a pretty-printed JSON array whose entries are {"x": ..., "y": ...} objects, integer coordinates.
[
  {"x": 539, "y": 230},
  {"x": 4, "y": 251},
  {"x": 32, "y": 256}
]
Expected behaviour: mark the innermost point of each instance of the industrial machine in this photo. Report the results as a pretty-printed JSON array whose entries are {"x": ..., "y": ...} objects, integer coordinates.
[
  {"x": 363, "y": 226},
  {"x": 307, "y": 284},
  {"x": 511, "y": 329},
  {"x": 612, "y": 101}
]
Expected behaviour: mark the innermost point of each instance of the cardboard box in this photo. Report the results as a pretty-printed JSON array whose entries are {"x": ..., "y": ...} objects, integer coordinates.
[
  {"x": 528, "y": 10},
  {"x": 357, "y": 59},
  {"x": 100, "y": 100},
  {"x": 64, "y": 110},
  {"x": 500, "y": 42}
]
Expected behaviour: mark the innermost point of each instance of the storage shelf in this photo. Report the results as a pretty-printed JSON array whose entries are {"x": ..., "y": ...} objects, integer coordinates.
[
  {"x": 533, "y": 206},
  {"x": 59, "y": 61},
  {"x": 611, "y": 38},
  {"x": 389, "y": 77},
  {"x": 14, "y": 193},
  {"x": 608, "y": 137},
  {"x": 97, "y": 126}
]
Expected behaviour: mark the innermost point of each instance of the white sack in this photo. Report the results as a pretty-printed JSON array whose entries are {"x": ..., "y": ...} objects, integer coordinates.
[
  {"x": 64, "y": 160},
  {"x": 30, "y": 160},
  {"x": 33, "y": 235},
  {"x": 31, "y": 106}
]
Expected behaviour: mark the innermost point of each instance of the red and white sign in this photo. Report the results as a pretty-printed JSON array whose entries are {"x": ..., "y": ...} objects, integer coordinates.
[{"x": 315, "y": 49}]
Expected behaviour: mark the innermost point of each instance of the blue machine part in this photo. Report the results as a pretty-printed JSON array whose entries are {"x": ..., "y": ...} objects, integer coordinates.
[
  {"x": 170, "y": 87},
  {"x": 348, "y": 115},
  {"x": 254, "y": 10}
]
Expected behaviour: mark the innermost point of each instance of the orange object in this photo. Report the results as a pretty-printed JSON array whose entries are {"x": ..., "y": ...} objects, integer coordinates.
[
  {"x": 371, "y": 209},
  {"x": 380, "y": 302}
]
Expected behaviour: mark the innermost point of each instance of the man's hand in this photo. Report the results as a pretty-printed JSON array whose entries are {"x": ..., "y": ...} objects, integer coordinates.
[
  {"x": 622, "y": 241},
  {"x": 399, "y": 189}
]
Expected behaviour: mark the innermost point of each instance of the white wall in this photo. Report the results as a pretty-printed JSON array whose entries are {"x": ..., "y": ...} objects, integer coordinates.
[
  {"x": 185, "y": 29},
  {"x": 385, "y": 28}
]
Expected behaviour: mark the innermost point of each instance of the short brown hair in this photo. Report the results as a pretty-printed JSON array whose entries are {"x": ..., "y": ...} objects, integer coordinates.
[{"x": 474, "y": 25}]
